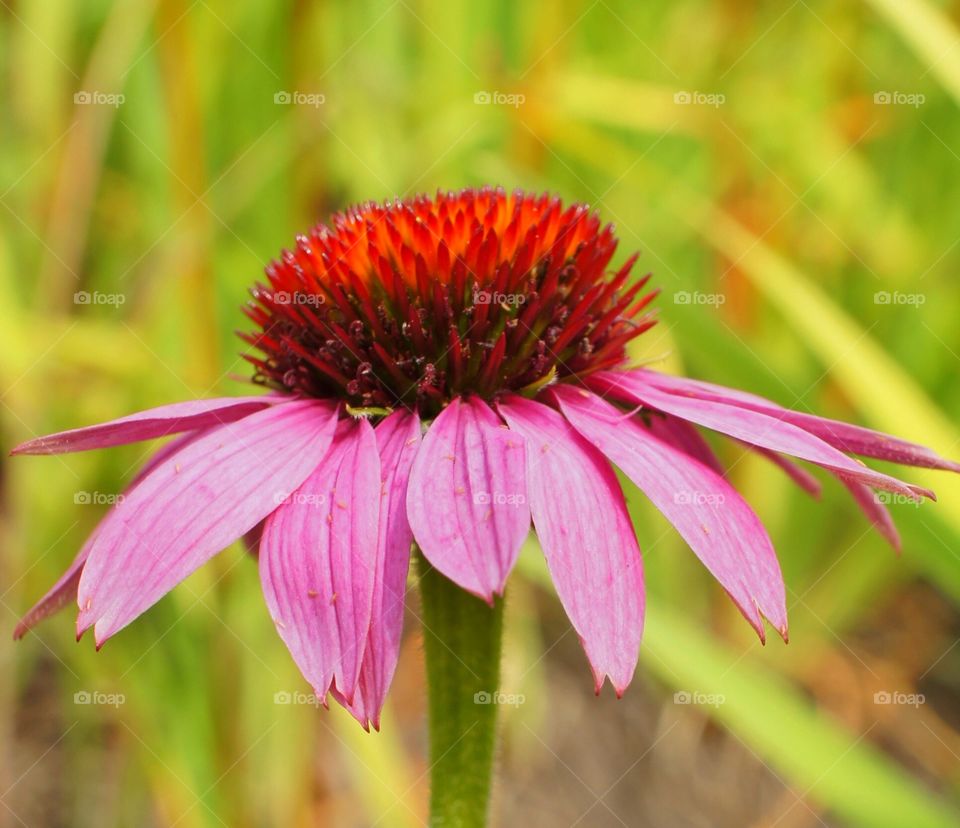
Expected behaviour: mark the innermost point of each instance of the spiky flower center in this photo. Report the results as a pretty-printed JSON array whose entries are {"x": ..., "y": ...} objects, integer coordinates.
[{"x": 411, "y": 303}]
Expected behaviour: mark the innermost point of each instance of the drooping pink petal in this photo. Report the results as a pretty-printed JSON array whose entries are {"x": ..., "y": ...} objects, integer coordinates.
[
  {"x": 844, "y": 436},
  {"x": 64, "y": 591},
  {"x": 398, "y": 439},
  {"x": 165, "y": 452},
  {"x": 587, "y": 538},
  {"x": 193, "y": 504},
  {"x": 683, "y": 436},
  {"x": 150, "y": 424},
  {"x": 878, "y": 514},
  {"x": 796, "y": 473},
  {"x": 868, "y": 500},
  {"x": 749, "y": 426},
  {"x": 467, "y": 497},
  {"x": 58, "y": 596},
  {"x": 318, "y": 558},
  {"x": 706, "y": 510}
]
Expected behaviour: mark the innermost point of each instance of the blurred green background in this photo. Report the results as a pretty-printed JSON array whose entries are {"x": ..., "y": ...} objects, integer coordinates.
[{"x": 790, "y": 173}]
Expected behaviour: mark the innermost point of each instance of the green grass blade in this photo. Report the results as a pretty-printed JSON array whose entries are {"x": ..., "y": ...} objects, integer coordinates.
[{"x": 931, "y": 34}]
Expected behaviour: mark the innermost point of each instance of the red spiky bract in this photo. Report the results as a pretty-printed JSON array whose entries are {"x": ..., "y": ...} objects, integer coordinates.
[{"x": 410, "y": 303}]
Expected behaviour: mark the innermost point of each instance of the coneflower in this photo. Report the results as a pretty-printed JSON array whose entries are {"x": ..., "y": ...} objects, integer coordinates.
[{"x": 443, "y": 372}]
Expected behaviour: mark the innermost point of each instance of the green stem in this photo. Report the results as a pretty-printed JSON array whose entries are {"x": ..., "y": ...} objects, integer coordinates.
[{"x": 461, "y": 638}]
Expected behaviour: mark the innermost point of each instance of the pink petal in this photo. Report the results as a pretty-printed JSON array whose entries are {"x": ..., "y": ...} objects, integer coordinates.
[
  {"x": 64, "y": 591},
  {"x": 587, "y": 538},
  {"x": 165, "y": 452},
  {"x": 707, "y": 511},
  {"x": 844, "y": 436},
  {"x": 683, "y": 436},
  {"x": 58, "y": 596},
  {"x": 876, "y": 512},
  {"x": 750, "y": 426},
  {"x": 467, "y": 498},
  {"x": 195, "y": 503},
  {"x": 398, "y": 439},
  {"x": 318, "y": 559},
  {"x": 147, "y": 425}
]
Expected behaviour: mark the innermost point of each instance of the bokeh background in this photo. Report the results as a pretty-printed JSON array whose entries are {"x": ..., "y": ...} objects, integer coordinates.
[{"x": 790, "y": 172}]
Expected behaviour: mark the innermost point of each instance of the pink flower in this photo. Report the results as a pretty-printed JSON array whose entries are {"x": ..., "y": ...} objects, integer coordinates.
[{"x": 448, "y": 371}]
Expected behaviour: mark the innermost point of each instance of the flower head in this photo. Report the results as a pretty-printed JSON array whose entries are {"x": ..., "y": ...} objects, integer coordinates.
[
  {"x": 414, "y": 303},
  {"x": 449, "y": 371}
]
